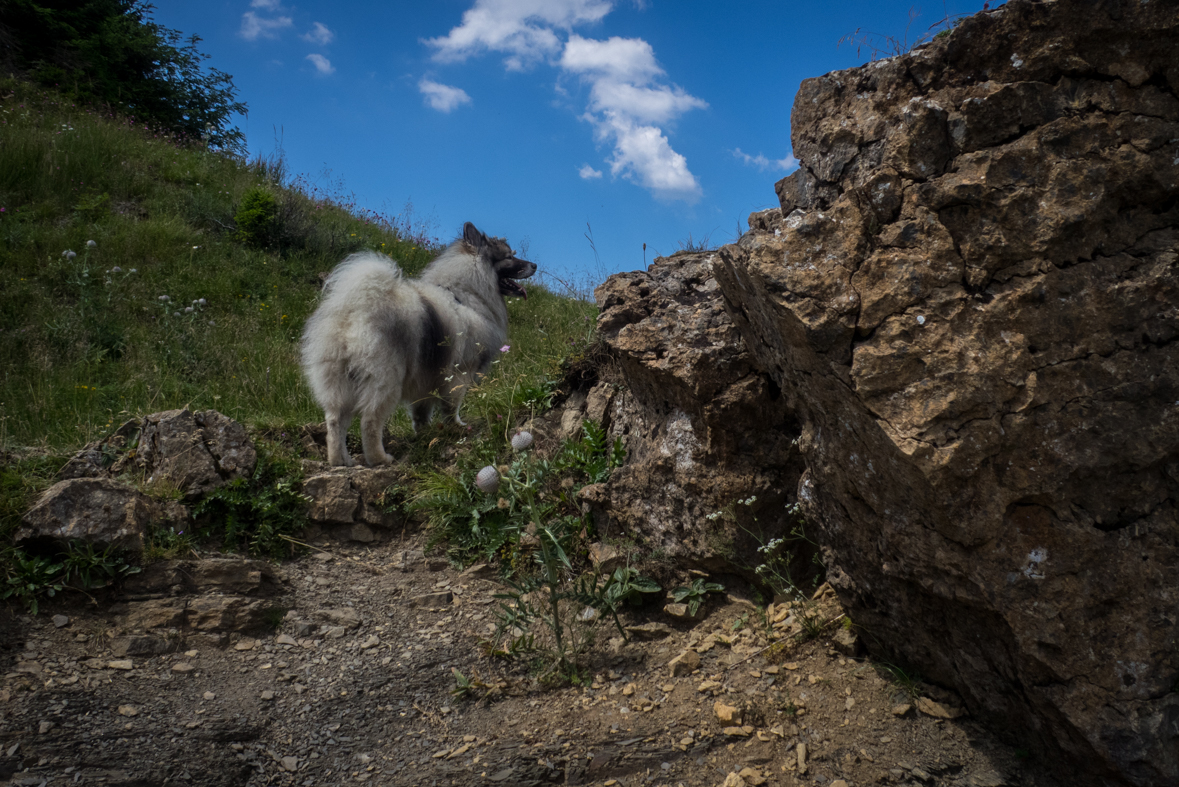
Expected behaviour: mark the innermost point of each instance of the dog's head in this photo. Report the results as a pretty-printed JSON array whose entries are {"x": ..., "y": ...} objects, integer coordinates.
[{"x": 499, "y": 255}]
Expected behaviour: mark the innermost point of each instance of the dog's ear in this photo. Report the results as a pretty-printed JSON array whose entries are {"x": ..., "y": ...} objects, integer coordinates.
[{"x": 473, "y": 236}]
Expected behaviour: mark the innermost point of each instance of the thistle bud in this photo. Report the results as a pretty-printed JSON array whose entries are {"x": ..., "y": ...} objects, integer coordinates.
[
  {"x": 91, "y": 244},
  {"x": 521, "y": 440},
  {"x": 488, "y": 480}
]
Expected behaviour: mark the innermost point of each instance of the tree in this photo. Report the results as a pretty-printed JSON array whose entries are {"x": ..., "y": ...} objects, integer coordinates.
[{"x": 112, "y": 52}]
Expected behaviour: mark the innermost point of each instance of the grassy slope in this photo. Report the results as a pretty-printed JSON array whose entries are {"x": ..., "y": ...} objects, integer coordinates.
[{"x": 83, "y": 346}]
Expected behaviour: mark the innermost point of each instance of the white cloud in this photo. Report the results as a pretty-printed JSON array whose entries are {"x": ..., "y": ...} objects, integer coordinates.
[
  {"x": 255, "y": 27},
  {"x": 319, "y": 34},
  {"x": 322, "y": 64},
  {"x": 521, "y": 28},
  {"x": 627, "y": 108},
  {"x": 763, "y": 163},
  {"x": 265, "y": 5},
  {"x": 443, "y": 98},
  {"x": 629, "y": 101}
]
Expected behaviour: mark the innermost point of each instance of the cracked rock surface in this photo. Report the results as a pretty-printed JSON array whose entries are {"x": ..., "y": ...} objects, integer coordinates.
[{"x": 970, "y": 299}]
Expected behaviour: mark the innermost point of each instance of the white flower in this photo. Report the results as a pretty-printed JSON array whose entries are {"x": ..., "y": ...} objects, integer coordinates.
[
  {"x": 133, "y": 270},
  {"x": 69, "y": 255},
  {"x": 116, "y": 269},
  {"x": 164, "y": 299},
  {"x": 91, "y": 244},
  {"x": 488, "y": 480},
  {"x": 521, "y": 440},
  {"x": 188, "y": 310},
  {"x": 202, "y": 301}
]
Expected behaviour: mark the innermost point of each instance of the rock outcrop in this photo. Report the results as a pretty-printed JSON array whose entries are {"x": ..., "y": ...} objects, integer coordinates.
[
  {"x": 970, "y": 298},
  {"x": 703, "y": 427},
  {"x": 967, "y": 307}
]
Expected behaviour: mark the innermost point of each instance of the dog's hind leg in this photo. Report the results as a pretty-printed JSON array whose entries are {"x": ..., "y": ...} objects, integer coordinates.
[
  {"x": 420, "y": 412},
  {"x": 337, "y": 424},
  {"x": 372, "y": 427}
]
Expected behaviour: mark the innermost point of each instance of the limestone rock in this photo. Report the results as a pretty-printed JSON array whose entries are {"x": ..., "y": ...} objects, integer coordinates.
[
  {"x": 684, "y": 664},
  {"x": 702, "y": 426},
  {"x": 350, "y": 502},
  {"x": 970, "y": 304},
  {"x": 98, "y": 511},
  {"x": 194, "y": 452}
]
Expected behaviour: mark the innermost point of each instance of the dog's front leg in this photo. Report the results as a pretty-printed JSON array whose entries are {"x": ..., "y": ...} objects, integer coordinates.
[{"x": 371, "y": 427}]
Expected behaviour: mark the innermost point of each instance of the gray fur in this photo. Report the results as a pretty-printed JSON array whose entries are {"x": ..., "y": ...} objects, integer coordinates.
[{"x": 379, "y": 338}]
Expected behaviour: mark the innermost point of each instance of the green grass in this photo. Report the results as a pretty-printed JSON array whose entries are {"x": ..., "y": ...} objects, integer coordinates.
[
  {"x": 239, "y": 248},
  {"x": 83, "y": 345}
]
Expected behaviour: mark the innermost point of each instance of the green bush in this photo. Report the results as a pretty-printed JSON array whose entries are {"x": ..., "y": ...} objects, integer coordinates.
[{"x": 255, "y": 217}]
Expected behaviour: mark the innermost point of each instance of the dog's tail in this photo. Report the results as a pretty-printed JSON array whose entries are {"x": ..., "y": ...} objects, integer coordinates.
[{"x": 365, "y": 270}]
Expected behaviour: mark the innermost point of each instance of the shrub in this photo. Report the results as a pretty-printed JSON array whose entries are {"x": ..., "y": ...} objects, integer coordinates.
[{"x": 255, "y": 217}]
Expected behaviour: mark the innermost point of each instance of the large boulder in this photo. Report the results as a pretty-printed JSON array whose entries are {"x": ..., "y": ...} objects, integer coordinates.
[
  {"x": 703, "y": 428},
  {"x": 971, "y": 300},
  {"x": 100, "y": 512}
]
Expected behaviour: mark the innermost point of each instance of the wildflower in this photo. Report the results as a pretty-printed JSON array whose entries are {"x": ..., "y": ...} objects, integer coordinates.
[
  {"x": 211, "y": 323},
  {"x": 202, "y": 302},
  {"x": 521, "y": 441},
  {"x": 133, "y": 270},
  {"x": 505, "y": 348},
  {"x": 91, "y": 244},
  {"x": 69, "y": 255},
  {"x": 194, "y": 248},
  {"x": 164, "y": 299},
  {"x": 116, "y": 269},
  {"x": 188, "y": 310},
  {"x": 488, "y": 480},
  {"x": 502, "y": 505}
]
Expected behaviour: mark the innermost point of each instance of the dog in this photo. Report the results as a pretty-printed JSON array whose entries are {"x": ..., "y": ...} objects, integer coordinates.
[{"x": 380, "y": 338}]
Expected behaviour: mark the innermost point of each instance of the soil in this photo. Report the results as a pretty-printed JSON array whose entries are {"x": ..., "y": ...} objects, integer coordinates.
[{"x": 361, "y": 691}]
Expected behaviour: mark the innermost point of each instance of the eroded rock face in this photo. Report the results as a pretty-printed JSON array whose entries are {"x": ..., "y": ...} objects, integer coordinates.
[
  {"x": 196, "y": 452},
  {"x": 100, "y": 512},
  {"x": 972, "y": 302},
  {"x": 703, "y": 428}
]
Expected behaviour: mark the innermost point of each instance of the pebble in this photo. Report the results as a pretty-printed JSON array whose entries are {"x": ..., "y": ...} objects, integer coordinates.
[
  {"x": 128, "y": 710},
  {"x": 45, "y": 727},
  {"x": 268, "y": 695},
  {"x": 208, "y": 695},
  {"x": 290, "y": 764},
  {"x": 182, "y": 667},
  {"x": 246, "y": 644},
  {"x": 61, "y": 621},
  {"x": 685, "y": 663},
  {"x": 123, "y": 664}
]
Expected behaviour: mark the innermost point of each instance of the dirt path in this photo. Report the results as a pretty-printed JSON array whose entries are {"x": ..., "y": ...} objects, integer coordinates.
[{"x": 356, "y": 687}]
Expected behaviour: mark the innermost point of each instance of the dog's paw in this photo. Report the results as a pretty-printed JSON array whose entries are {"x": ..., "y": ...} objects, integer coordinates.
[{"x": 383, "y": 459}]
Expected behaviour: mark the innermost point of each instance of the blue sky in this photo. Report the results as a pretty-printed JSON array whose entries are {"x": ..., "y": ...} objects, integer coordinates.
[{"x": 646, "y": 120}]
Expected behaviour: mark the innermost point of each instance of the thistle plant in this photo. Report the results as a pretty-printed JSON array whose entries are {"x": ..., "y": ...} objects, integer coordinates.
[{"x": 549, "y": 597}]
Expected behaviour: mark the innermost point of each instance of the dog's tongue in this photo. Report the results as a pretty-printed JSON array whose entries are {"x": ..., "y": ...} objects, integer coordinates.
[{"x": 523, "y": 291}]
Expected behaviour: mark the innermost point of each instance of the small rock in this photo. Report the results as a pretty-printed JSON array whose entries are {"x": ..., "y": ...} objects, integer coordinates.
[
  {"x": 628, "y": 690},
  {"x": 182, "y": 667},
  {"x": 987, "y": 779},
  {"x": 902, "y": 709},
  {"x": 285, "y": 639},
  {"x": 246, "y": 643},
  {"x": 738, "y": 732},
  {"x": 290, "y": 764},
  {"x": 733, "y": 780},
  {"x": 61, "y": 621},
  {"x": 268, "y": 695},
  {"x": 838, "y": 783},
  {"x": 128, "y": 710},
  {"x": 438, "y": 599},
  {"x": 709, "y": 685},
  {"x": 479, "y": 571},
  {"x": 208, "y": 695},
  {"x": 123, "y": 664},
  {"x": 938, "y": 710},
  {"x": 335, "y": 632},
  {"x": 753, "y": 777},
  {"x": 45, "y": 727},
  {"x": 649, "y": 631},
  {"x": 678, "y": 611},
  {"x": 801, "y": 752},
  {"x": 726, "y": 714},
  {"x": 846, "y": 642},
  {"x": 684, "y": 664}
]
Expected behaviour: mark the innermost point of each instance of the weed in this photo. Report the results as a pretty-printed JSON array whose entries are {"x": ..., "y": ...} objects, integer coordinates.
[
  {"x": 87, "y": 568},
  {"x": 694, "y": 245},
  {"x": 260, "y": 514},
  {"x": 879, "y": 45},
  {"x": 907, "y": 681},
  {"x": 464, "y": 687},
  {"x": 780, "y": 567},
  {"x": 627, "y": 586},
  {"x": 31, "y": 576},
  {"x": 273, "y": 617},
  {"x": 695, "y": 593},
  {"x": 540, "y": 614}
]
